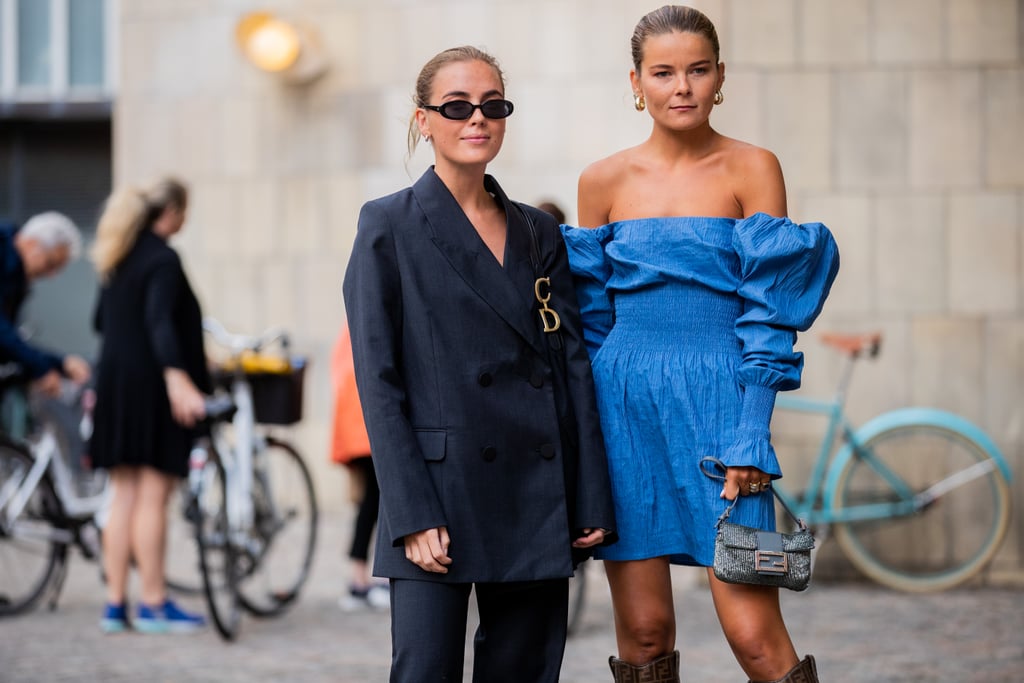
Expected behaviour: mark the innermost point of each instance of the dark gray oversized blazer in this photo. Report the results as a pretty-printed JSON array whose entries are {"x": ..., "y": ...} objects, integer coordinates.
[{"x": 457, "y": 390}]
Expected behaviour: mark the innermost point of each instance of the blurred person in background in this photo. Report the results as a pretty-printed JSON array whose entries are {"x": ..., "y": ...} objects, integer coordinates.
[
  {"x": 554, "y": 209},
  {"x": 150, "y": 380},
  {"x": 41, "y": 248},
  {"x": 350, "y": 446}
]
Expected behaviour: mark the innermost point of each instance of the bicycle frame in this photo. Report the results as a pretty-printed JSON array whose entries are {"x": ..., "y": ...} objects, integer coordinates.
[
  {"x": 913, "y": 502},
  {"x": 806, "y": 507},
  {"x": 825, "y": 473},
  {"x": 75, "y": 505},
  {"x": 238, "y": 457},
  {"x": 14, "y": 496}
]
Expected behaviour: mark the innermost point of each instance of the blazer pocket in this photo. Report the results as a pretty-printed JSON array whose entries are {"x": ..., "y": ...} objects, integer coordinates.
[{"x": 432, "y": 443}]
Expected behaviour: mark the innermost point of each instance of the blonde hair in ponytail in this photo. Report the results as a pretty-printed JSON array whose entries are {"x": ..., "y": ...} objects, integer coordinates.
[
  {"x": 126, "y": 213},
  {"x": 118, "y": 228}
]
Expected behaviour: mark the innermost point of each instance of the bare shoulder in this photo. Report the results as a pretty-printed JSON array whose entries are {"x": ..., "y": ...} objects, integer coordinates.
[
  {"x": 597, "y": 187},
  {"x": 747, "y": 159},
  {"x": 757, "y": 177},
  {"x": 603, "y": 174}
]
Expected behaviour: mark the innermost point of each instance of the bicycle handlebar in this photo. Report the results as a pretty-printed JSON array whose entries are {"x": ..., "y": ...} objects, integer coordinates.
[
  {"x": 240, "y": 342},
  {"x": 219, "y": 409}
]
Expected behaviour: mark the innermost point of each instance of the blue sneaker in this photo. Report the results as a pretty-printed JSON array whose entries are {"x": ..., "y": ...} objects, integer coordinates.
[
  {"x": 115, "y": 618},
  {"x": 167, "y": 618}
]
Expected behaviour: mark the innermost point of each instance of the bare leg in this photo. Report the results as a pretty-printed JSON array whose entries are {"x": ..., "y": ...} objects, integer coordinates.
[
  {"x": 645, "y": 622},
  {"x": 752, "y": 621},
  {"x": 149, "y": 533},
  {"x": 117, "y": 540}
]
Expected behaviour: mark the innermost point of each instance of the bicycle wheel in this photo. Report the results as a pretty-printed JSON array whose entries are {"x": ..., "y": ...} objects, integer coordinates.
[
  {"x": 29, "y": 556},
  {"x": 279, "y": 552},
  {"x": 941, "y": 544},
  {"x": 218, "y": 555}
]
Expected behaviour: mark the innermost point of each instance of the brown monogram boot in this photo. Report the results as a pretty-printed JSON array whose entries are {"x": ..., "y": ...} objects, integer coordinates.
[
  {"x": 804, "y": 672},
  {"x": 664, "y": 669}
]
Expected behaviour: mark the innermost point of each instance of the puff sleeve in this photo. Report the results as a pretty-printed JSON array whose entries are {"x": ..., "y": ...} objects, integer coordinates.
[
  {"x": 591, "y": 270},
  {"x": 785, "y": 273}
]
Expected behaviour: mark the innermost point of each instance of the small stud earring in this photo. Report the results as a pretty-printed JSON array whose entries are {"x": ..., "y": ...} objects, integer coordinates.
[{"x": 639, "y": 102}]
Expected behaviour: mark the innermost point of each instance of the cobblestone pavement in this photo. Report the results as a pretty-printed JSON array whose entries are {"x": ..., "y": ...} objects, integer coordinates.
[{"x": 858, "y": 632}]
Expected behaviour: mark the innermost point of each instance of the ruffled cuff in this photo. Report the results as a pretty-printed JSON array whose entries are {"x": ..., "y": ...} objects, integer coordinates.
[
  {"x": 752, "y": 446},
  {"x": 753, "y": 452}
]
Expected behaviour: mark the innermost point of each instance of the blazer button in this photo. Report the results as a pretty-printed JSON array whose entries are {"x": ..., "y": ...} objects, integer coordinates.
[
  {"x": 489, "y": 453},
  {"x": 547, "y": 451},
  {"x": 485, "y": 379},
  {"x": 536, "y": 379}
]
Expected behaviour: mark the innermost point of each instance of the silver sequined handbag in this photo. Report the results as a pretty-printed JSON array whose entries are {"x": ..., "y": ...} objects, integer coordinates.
[{"x": 763, "y": 558}]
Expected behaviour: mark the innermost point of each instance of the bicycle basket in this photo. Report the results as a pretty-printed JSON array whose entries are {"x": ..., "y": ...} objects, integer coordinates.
[{"x": 276, "y": 396}]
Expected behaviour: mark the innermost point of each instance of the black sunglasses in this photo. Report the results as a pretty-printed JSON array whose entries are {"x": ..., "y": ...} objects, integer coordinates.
[{"x": 460, "y": 110}]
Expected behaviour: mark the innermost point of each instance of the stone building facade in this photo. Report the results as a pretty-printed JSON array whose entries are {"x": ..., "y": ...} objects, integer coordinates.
[{"x": 899, "y": 123}]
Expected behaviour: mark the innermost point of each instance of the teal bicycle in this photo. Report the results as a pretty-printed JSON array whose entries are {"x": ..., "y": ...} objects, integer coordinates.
[{"x": 919, "y": 498}]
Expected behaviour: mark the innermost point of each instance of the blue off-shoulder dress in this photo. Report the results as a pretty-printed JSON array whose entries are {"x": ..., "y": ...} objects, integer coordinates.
[{"x": 690, "y": 323}]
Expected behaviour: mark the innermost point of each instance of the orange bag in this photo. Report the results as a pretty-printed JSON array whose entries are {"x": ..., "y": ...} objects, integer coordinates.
[{"x": 349, "y": 439}]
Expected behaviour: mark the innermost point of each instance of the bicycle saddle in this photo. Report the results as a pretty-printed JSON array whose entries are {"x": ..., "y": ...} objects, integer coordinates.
[{"x": 854, "y": 344}]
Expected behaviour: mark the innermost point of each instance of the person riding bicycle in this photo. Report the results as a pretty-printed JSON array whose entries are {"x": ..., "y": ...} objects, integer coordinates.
[{"x": 40, "y": 248}]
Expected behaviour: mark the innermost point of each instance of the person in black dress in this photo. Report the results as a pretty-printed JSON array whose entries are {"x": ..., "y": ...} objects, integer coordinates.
[{"x": 150, "y": 380}]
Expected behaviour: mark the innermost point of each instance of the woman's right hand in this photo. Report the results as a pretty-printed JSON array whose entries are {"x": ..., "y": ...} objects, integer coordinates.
[
  {"x": 428, "y": 549},
  {"x": 744, "y": 481},
  {"x": 187, "y": 402},
  {"x": 77, "y": 369}
]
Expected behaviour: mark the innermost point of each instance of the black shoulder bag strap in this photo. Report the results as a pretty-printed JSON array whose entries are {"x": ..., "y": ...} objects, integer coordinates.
[{"x": 550, "y": 321}]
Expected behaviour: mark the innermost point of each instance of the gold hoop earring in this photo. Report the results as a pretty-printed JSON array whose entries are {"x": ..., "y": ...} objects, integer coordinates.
[
  {"x": 719, "y": 97},
  {"x": 639, "y": 102}
]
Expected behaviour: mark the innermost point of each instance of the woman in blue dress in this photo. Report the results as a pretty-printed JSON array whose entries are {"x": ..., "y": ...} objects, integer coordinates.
[{"x": 693, "y": 285}]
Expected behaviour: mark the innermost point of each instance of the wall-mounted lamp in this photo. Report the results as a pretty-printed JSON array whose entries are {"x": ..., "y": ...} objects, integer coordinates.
[{"x": 281, "y": 47}]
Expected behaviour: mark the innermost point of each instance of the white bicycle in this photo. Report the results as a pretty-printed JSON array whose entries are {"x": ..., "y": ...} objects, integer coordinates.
[
  {"x": 50, "y": 501},
  {"x": 253, "y": 503}
]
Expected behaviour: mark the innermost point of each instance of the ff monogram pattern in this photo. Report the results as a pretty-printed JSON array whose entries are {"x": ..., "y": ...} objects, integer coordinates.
[{"x": 664, "y": 669}]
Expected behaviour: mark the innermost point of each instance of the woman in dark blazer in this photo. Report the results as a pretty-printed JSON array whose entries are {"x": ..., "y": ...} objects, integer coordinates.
[
  {"x": 483, "y": 425},
  {"x": 149, "y": 379}
]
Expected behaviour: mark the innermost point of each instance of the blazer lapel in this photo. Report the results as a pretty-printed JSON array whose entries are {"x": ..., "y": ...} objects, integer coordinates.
[{"x": 508, "y": 291}]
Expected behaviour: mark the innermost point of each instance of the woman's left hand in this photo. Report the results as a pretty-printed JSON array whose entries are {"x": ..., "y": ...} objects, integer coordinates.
[
  {"x": 589, "y": 539},
  {"x": 744, "y": 481}
]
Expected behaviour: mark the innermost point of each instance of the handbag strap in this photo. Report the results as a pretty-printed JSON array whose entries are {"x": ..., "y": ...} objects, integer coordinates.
[
  {"x": 719, "y": 465},
  {"x": 534, "y": 244},
  {"x": 555, "y": 338}
]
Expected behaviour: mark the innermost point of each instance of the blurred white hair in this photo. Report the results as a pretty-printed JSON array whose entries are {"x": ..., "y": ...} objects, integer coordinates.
[{"x": 52, "y": 229}]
